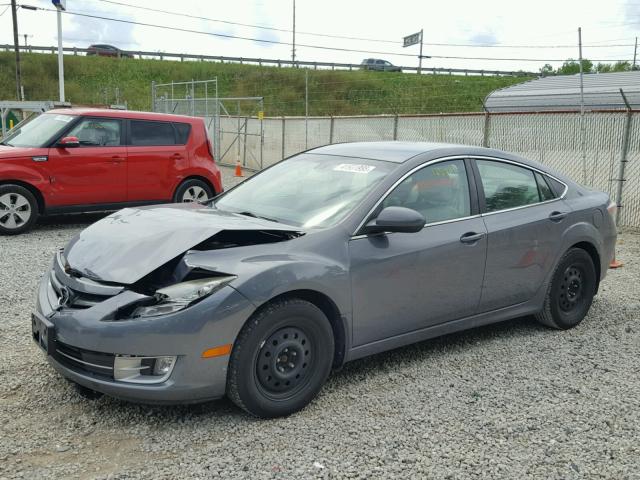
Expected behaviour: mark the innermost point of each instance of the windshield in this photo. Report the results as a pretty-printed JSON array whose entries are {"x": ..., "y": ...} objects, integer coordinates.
[
  {"x": 308, "y": 190},
  {"x": 39, "y": 131}
]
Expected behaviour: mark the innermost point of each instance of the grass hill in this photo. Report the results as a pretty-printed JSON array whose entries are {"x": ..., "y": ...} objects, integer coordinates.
[{"x": 93, "y": 80}]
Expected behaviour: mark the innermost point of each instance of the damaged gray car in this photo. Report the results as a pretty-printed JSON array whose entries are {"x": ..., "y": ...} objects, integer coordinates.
[{"x": 329, "y": 256}]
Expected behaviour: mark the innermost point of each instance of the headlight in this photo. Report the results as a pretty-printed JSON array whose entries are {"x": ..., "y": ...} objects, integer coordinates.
[{"x": 181, "y": 295}]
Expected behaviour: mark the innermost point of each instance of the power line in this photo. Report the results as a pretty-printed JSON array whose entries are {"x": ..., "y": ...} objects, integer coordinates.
[
  {"x": 319, "y": 47},
  {"x": 326, "y": 35}
]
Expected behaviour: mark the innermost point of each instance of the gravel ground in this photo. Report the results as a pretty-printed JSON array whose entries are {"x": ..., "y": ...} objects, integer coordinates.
[{"x": 512, "y": 400}]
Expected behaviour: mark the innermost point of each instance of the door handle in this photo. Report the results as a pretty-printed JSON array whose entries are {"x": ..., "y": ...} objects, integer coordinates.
[
  {"x": 557, "y": 216},
  {"x": 176, "y": 156},
  {"x": 471, "y": 237}
]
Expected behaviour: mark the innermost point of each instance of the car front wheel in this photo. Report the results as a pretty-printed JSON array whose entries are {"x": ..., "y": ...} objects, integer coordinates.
[
  {"x": 281, "y": 359},
  {"x": 571, "y": 291},
  {"x": 18, "y": 209}
]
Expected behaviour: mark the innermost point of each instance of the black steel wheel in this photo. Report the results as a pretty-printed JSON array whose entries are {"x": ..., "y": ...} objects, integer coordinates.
[
  {"x": 570, "y": 292},
  {"x": 280, "y": 359}
]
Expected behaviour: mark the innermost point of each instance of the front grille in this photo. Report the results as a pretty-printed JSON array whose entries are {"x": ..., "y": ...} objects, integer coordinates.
[
  {"x": 78, "y": 292},
  {"x": 95, "y": 363}
]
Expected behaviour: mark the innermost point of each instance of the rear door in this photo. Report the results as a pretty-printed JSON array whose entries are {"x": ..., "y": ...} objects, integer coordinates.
[
  {"x": 157, "y": 156},
  {"x": 93, "y": 173},
  {"x": 525, "y": 223}
]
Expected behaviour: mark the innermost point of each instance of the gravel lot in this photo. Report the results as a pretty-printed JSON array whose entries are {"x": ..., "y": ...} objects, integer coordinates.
[{"x": 512, "y": 400}]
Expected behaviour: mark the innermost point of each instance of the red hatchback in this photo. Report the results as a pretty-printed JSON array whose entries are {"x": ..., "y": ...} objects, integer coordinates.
[{"x": 81, "y": 160}]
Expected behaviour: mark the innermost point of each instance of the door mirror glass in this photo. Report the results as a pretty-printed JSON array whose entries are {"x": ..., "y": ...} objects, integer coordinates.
[
  {"x": 69, "y": 142},
  {"x": 396, "y": 219}
]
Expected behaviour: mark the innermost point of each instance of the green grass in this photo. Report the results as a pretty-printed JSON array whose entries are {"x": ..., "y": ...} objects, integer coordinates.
[{"x": 93, "y": 80}]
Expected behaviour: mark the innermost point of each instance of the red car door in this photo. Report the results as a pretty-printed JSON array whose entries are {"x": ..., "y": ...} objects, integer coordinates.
[
  {"x": 156, "y": 161},
  {"x": 95, "y": 171}
]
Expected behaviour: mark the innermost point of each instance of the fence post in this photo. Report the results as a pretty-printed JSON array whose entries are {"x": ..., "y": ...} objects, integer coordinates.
[
  {"x": 153, "y": 95},
  {"x": 395, "y": 127},
  {"x": 487, "y": 128},
  {"x": 284, "y": 123},
  {"x": 331, "y": 125},
  {"x": 623, "y": 157}
]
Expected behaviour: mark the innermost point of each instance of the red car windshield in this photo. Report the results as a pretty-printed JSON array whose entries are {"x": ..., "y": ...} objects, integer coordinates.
[{"x": 36, "y": 133}]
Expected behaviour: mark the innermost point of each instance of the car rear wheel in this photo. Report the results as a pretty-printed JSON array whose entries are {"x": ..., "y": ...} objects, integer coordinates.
[
  {"x": 571, "y": 291},
  {"x": 281, "y": 359},
  {"x": 18, "y": 209},
  {"x": 193, "y": 190}
]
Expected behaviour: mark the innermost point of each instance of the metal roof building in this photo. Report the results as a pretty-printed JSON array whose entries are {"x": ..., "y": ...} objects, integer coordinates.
[{"x": 601, "y": 92}]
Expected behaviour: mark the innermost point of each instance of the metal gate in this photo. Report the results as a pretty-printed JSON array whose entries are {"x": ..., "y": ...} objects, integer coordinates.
[{"x": 235, "y": 124}]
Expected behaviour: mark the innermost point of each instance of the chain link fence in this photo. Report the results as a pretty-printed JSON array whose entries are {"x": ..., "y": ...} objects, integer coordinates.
[{"x": 588, "y": 148}]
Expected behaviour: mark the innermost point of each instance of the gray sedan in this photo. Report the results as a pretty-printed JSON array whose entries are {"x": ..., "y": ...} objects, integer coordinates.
[{"x": 334, "y": 254}]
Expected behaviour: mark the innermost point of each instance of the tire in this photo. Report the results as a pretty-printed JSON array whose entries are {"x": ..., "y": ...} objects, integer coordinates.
[
  {"x": 18, "y": 209},
  {"x": 281, "y": 359},
  {"x": 570, "y": 292},
  {"x": 193, "y": 190}
]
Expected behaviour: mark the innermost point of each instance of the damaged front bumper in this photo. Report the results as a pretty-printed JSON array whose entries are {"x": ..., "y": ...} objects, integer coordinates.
[{"x": 85, "y": 339}]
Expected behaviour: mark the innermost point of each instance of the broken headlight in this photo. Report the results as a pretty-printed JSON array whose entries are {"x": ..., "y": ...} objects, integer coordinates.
[{"x": 181, "y": 295}]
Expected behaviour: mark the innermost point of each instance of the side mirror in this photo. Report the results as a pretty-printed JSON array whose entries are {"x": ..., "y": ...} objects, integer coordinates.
[
  {"x": 68, "y": 142},
  {"x": 396, "y": 219}
]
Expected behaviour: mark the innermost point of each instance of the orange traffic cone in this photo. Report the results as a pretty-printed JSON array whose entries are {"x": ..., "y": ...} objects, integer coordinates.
[{"x": 238, "y": 169}]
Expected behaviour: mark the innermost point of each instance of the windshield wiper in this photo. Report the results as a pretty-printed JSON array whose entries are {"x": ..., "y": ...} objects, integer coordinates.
[{"x": 253, "y": 215}]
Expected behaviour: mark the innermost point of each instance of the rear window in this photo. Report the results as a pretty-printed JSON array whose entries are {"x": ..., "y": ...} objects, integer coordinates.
[
  {"x": 182, "y": 132},
  {"x": 144, "y": 133}
]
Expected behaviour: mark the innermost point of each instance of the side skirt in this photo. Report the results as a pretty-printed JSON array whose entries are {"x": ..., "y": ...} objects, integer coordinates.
[
  {"x": 99, "y": 207},
  {"x": 507, "y": 313}
]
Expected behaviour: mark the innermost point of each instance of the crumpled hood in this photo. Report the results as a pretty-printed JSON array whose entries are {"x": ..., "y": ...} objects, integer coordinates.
[{"x": 133, "y": 242}]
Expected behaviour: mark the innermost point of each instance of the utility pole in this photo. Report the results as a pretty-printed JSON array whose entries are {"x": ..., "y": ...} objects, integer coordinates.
[
  {"x": 420, "y": 63},
  {"x": 293, "y": 50},
  {"x": 635, "y": 51},
  {"x": 582, "y": 133},
  {"x": 60, "y": 6},
  {"x": 16, "y": 46}
]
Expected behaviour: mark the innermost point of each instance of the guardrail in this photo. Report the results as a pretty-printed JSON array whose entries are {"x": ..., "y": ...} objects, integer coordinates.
[{"x": 268, "y": 62}]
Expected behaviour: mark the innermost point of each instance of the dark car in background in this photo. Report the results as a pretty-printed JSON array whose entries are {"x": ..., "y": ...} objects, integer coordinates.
[
  {"x": 103, "y": 50},
  {"x": 379, "y": 65},
  {"x": 334, "y": 254}
]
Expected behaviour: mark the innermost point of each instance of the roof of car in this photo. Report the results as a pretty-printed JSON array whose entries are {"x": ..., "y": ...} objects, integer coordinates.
[
  {"x": 393, "y": 151},
  {"x": 106, "y": 112}
]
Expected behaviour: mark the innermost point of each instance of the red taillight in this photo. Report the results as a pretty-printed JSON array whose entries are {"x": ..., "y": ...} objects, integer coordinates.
[{"x": 209, "y": 144}]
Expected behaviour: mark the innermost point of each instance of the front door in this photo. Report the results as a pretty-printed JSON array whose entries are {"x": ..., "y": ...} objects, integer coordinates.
[
  {"x": 403, "y": 282},
  {"x": 93, "y": 173}
]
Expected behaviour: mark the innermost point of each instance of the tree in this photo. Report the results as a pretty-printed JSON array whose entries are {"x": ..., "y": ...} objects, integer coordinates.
[
  {"x": 546, "y": 70},
  {"x": 621, "y": 67},
  {"x": 571, "y": 67},
  {"x": 603, "y": 68}
]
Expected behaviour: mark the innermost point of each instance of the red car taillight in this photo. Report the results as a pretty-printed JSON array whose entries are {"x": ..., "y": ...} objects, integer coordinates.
[{"x": 209, "y": 144}]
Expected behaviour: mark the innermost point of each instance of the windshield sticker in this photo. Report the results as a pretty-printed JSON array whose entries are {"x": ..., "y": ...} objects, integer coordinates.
[
  {"x": 64, "y": 118},
  {"x": 353, "y": 168}
]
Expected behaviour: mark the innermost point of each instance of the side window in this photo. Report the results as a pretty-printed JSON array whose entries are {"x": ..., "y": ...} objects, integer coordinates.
[
  {"x": 152, "y": 133},
  {"x": 439, "y": 191},
  {"x": 543, "y": 187},
  {"x": 507, "y": 186},
  {"x": 182, "y": 132},
  {"x": 380, "y": 62},
  {"x": 97, "y": 132}
]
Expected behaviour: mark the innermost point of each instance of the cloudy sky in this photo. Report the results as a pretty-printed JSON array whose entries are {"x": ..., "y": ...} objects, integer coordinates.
[{"x": 513, "y": 30}]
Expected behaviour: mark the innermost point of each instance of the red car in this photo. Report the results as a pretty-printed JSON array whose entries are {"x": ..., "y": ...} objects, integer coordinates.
[{"x": 81, "y": 160}]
